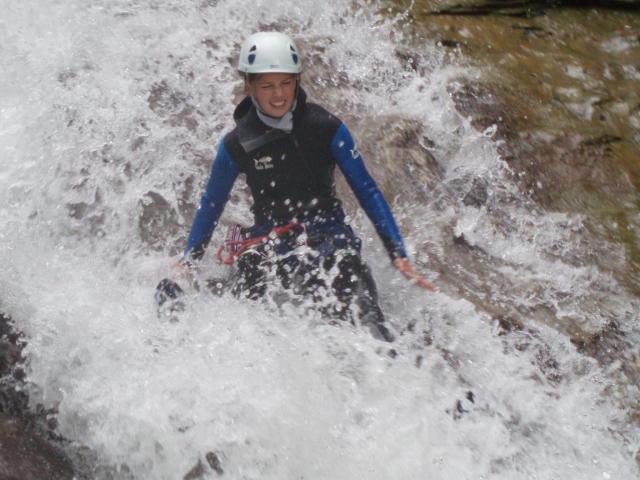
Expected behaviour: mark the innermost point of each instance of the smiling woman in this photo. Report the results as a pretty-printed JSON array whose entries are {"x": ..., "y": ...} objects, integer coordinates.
[
  {"x": 274, "y": 92},
  {"x": 110, "y": 111},
  {"x": 288, "y": 149}
]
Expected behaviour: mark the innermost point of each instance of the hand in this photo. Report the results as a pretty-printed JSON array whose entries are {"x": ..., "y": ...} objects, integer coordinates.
[
  {"x": 181, "y": 270},
  {"x": 403, "y": 265}
]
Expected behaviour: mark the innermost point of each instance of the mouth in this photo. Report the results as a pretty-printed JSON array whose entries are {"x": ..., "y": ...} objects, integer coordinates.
[{"x": 278, "y": 104}]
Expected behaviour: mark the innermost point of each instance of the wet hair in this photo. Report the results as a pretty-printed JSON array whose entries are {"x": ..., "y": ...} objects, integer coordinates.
[{"x": 252, "y": 77}]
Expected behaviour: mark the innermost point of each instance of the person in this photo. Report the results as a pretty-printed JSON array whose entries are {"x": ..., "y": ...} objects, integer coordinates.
[{"x": 288, "y": 148}]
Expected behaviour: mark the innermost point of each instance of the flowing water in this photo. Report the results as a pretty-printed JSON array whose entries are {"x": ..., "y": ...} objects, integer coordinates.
[
  {"x": 111, "y": 113},
  {"x": 568, "y": 82}
]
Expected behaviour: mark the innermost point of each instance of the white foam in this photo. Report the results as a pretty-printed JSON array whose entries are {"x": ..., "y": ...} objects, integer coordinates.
[{"x": 276, "y": 395}]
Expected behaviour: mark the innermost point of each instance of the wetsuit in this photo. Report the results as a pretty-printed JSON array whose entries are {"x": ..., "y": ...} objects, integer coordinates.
[{"x": 291, "y": 178}]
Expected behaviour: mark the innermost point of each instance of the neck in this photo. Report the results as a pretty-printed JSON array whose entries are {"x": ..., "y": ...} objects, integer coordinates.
[{"x": 284, "y": 122}]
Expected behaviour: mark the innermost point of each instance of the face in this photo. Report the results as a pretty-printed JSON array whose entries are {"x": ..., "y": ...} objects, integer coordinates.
[{"x": 274, "y": 92}]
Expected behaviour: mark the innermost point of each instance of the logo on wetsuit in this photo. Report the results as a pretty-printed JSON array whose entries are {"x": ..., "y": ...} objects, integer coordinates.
[
  {"x": 354, "y": 152},
  {"x": 263, "y": 163}
]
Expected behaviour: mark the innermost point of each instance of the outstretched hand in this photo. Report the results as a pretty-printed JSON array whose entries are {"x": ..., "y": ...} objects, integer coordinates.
[
  {"x": 181, "y": 270},
  {"x": 178, "y": 269},
  {"x": 403, "y": 265}
]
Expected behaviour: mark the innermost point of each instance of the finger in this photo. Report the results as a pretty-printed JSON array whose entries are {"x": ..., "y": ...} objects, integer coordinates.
[
  {"x": 422, "y": 282},
  {"x": 427, "y": 285},
  {"x": 407, "y": 270}
]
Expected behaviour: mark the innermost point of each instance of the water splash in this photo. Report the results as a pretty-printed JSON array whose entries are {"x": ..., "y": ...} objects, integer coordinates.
[{"x": 111, "y": 116}]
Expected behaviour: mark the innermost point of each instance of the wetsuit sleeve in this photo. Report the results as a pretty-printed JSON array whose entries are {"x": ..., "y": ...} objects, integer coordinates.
[
  {"x": 223, "y": 175},
  {"x": 367, "y": 192}
]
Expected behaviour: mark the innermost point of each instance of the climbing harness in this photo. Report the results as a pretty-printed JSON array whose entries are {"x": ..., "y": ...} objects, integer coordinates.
[{"x": 236, "y": 243}]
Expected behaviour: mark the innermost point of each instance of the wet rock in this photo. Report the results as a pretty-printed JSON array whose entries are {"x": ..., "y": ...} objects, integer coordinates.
[
  {"x": 172, "y": 105},
  {"x": 137, "y": 143},
  {"x": 29, "y": 450},
  {"x": 604, "y": 345},
  {"x": 157, "y": 221},
  {"x": 26, "y": 455},
  {"x": 528, "y": 339},
  {"x": 478, "y": 193},
  {"x": 12, "y": 399},
  {"x": 11, "y": 345},
  {"x": 211, "y": 45},
  {"x": 418, "y": 361},
  {"x": 214, "y": 462},
  {"x": 462, "y": 406},
  {"x": 88, "y": 216},
  {"x": 410, "y": 60},
  {"x": 508, "y": 324},
  {"x": 545, "y": 361},
  {"x": 461, "y": 241},
  {"x": 483, "y": 109},
  {"x": 532, "y": 8},
  {"x": 601, "y": 140},
  {"x": 163, "y": 100},
  {"x": 610, "y": 346},
  {"x": 594, "y": 171},
  {"x": 200, "y": 469},
  {"x": 65, "y": 76},
  {"x": 196, "y": 472},
  {"x": 400, "y": 154},
  {"x": 530, "y": 30},
  {"x": 445, "y": 42}
]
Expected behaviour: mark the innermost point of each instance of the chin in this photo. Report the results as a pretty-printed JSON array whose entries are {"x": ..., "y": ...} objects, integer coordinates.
[{"x": 277, "y": 113}]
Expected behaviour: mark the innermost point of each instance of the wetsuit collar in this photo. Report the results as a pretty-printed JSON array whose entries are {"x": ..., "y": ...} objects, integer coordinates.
[
  {"x": 247, "y": 104},
  {"x": 285, "y": 122}
]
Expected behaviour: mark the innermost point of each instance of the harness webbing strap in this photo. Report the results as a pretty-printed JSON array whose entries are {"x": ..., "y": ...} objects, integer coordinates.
[{"x": 236, "y": 247}]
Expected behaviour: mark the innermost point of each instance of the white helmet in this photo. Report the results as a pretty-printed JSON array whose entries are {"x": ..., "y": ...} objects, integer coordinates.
[{"x": 269, "y": 52}]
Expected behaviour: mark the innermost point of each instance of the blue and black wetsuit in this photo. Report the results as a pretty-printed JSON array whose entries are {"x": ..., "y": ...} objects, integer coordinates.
[{"x": 291, "y": 177}]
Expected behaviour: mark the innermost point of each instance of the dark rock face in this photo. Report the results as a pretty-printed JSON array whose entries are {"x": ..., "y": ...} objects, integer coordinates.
[
  {"x": 28, "y": 448},
  {"x": 200, "y": 471},
  {"x": 12, "y": 400},
  {"x": 533, "y": 8},
  {"x": 157, "y": 218},
  {"x": 25, "y": 454}
]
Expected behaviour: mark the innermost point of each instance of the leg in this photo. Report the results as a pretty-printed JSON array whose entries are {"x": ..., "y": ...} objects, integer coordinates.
[
  {"x": 250, "y": 280},
  {"x": 168, "y": 299},
  {"x": 355, "y": 286}
]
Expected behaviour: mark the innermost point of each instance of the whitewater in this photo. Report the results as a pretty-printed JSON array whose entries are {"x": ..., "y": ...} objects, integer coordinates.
[{"x": 110, "y": 115}]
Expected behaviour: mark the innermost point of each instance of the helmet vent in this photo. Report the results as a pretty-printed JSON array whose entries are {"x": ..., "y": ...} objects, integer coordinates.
[
  {"x": 295, "y": 58},
  {"x": 253, "y": 49},
  {"x": 251, "y": 58}
]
